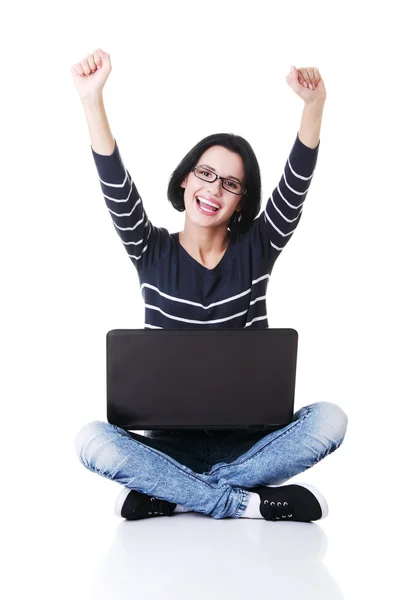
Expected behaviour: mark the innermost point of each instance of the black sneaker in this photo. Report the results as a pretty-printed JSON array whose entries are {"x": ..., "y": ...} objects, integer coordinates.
[
  {"x": 134, "y": 505},
  {"x": 301, "y": 502}
]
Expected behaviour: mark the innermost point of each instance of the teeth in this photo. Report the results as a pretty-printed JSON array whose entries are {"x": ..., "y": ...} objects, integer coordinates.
[{"x": 207, "y": 202}]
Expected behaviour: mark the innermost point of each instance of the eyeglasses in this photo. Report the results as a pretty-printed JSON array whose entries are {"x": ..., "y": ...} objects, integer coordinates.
[{"x": 228, "y": 184}]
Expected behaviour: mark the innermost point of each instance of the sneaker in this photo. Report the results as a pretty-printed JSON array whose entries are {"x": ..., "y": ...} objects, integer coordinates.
[
  {"x": 134, "y": 505},
  {"x": 301, "y": 502}
]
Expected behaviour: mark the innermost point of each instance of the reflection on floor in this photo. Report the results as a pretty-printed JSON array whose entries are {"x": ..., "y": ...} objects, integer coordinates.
[{"x": 194, "y": 556}]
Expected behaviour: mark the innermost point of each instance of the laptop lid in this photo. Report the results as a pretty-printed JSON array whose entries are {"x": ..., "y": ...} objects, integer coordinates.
[{"x": 201, "y": 379}]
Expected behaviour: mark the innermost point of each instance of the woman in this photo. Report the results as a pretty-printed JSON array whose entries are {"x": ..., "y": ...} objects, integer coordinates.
[{"x": 214, "y": 273}]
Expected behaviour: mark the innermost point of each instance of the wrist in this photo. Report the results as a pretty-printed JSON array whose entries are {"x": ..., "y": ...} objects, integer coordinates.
[
  {"x": 317, "y": 103},
  {"x": 92, "y": 99}
]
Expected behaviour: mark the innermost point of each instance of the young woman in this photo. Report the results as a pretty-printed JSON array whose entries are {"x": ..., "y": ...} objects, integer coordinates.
[{"x": 214, "y": 273}]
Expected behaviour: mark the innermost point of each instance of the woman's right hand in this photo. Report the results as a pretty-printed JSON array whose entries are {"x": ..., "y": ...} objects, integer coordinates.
[{"x": 90, "y": 75}]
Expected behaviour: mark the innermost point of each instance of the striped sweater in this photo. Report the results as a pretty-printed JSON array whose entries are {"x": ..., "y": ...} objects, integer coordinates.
[{"x": 178, "y": 291}]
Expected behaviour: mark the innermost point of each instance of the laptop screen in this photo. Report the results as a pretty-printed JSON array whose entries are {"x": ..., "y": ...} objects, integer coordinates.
[{"x": 215, "y": 378}]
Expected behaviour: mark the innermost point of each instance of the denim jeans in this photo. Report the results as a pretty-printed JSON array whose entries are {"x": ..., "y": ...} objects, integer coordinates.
[{"x": 211, "y": 472}]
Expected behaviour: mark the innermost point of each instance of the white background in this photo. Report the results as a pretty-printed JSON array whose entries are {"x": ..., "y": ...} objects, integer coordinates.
[{"x": 181, "y": 71}]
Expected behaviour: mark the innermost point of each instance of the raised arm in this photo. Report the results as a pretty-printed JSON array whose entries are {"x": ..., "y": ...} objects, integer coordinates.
[
  {"x": 275, "y": 225},
  {"x": 119, "y": 192},
  {"x": 141, "y": 239}
]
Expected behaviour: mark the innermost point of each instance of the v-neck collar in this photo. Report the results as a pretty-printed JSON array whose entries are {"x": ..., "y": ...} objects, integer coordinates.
[{"x": 226, "y": 257}]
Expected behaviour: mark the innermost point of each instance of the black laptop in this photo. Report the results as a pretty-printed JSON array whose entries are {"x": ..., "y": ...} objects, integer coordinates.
[{"x": 201, "y": 379}]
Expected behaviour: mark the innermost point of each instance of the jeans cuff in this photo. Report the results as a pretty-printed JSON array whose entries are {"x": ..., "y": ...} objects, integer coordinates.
[{"x": 243, "y": 502}]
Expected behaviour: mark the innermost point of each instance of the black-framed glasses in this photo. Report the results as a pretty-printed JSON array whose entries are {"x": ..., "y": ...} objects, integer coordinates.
[{"x": 235, "y": 187}]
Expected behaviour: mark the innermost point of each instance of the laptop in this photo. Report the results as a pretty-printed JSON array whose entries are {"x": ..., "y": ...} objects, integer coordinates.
[{"x": 206, "y": 379}]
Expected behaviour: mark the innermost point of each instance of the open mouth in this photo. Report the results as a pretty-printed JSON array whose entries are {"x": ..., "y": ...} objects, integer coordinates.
[{"x": 206, "y": 205}]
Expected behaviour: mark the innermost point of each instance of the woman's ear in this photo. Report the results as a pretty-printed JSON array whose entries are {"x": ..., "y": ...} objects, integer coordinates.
[
  {"x": 184, "y": 182},
  {"x": 239, "y": 205}
]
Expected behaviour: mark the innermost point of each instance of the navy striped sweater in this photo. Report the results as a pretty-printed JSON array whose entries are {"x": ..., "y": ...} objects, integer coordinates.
[{"x": 178, "y": 291}]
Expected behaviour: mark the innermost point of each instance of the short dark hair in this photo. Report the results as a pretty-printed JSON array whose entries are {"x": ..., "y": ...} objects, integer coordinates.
[{"x": 251, "y": 201}]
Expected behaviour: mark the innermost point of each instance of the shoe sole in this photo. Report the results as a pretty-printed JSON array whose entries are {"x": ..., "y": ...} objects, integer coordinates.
[
  {"x": 120, "y": 501},
  {"x": 322, "y": 502}
]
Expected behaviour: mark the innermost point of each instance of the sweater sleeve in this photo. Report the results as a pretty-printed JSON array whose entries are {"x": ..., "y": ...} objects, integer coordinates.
[
  {"x": 275, "y": 225},
  {"x": 144, "y": 243}
]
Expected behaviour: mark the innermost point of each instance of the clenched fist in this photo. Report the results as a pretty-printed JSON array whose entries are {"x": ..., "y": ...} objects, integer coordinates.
[
  {"x": 90, "y": 75},
  {"x": 307, "y": 83}
]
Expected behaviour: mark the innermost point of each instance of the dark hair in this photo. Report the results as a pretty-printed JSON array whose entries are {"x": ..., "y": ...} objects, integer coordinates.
[{"x": 251, "y": 201}]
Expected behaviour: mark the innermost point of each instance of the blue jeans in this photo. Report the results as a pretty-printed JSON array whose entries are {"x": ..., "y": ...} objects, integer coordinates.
[{"x": 211, "y": 472}]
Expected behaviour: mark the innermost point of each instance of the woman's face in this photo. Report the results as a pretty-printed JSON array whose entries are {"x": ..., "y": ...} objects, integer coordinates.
[{"x": 225, "y": 163}]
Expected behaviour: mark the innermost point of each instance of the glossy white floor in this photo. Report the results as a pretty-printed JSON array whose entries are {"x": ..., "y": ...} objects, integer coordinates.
[{"x": 67, "y": 543}]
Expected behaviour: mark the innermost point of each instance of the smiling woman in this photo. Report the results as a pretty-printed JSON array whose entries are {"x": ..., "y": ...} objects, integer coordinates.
[
  {"x": 207, "y": 173},
  {"x": 238, "y": 166},
  {"x": 213, "y": 274},
  {"x": 216, "y": 271}
]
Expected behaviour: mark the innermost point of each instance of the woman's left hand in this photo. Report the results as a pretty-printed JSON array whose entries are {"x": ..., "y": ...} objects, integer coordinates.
[{"x": 307, "y": 83}]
